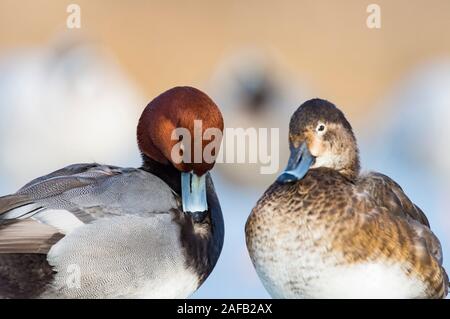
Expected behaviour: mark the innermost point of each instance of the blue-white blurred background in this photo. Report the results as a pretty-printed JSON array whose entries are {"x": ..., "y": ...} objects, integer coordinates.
[{"x": 74, "y": 95}]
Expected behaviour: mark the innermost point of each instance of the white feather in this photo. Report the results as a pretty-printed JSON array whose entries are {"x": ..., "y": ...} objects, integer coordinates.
[{"x": 61, "y": 219}]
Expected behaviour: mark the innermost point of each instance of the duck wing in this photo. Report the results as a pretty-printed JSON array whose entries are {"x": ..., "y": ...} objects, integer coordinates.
[
  {"x": 387, "y": 193},
  {"x": 53, "y": 205},
  {"x": 27, "y": 236},
  {"x": 395, "y": 227},
  {"x": 74, "y": 169}
]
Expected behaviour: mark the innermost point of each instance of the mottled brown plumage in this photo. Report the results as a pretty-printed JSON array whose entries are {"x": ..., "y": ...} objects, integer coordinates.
[{"x": 337, "y": 233}]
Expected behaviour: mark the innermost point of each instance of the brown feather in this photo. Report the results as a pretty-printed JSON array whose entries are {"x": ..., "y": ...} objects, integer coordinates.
[
  {"x": 27, "y": 236},
  {"x": 354, "y": 223},
  {"x": 10, "y": 202}
]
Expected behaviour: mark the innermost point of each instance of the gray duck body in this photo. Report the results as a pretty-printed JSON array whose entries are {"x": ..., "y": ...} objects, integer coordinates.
[{"x": 98, "y": 231}]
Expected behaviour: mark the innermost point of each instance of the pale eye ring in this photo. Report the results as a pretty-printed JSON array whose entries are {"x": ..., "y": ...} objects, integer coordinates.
[{"x": 321, "y": 128}]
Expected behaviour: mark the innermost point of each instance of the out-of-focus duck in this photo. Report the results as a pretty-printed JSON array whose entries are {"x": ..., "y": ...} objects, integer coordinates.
[
  {"x": 51, "y": 100},
  {"x": 420, "y": 102},
  {"x": 254, "y": 90},
  {"x": 100, "y": 231},
  {"x": 323, "y": 230}
]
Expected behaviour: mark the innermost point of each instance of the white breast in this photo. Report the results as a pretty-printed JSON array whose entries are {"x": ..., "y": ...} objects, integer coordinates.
[
  {"x": 369, "y": 280},
  {"x": 364, "y": 280}
]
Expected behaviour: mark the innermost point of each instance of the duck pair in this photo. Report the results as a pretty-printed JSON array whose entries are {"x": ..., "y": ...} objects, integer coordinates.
[{"x": 321, "y": 230}]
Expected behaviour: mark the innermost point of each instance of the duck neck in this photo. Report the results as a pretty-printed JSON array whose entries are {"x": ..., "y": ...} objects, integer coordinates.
[
  {"x": 169, "y": 174},
  {"x": 194, "y": 243},
  {"x": 351, "y": 171}
]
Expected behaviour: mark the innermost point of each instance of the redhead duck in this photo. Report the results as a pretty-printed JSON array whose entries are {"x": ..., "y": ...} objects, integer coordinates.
[
  {"x": 323, "y": 230},
  {"x": 100, "y": 231}
]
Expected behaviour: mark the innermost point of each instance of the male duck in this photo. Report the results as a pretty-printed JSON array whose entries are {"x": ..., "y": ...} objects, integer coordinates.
[
  {"x": 100, "y": 231},
  {"x": 322, "y": 230}
]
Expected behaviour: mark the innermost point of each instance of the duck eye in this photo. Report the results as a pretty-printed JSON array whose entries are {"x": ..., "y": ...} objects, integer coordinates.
[{"x": 320, "y": 128}]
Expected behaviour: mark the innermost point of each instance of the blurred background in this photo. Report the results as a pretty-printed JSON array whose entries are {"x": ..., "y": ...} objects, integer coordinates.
[{"x": 74, "y": 95}]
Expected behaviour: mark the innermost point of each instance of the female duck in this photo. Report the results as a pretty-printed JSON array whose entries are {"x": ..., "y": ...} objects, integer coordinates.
[
  {"x": 322, "y": 230},
  {"x": 100, "y": 231}
]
